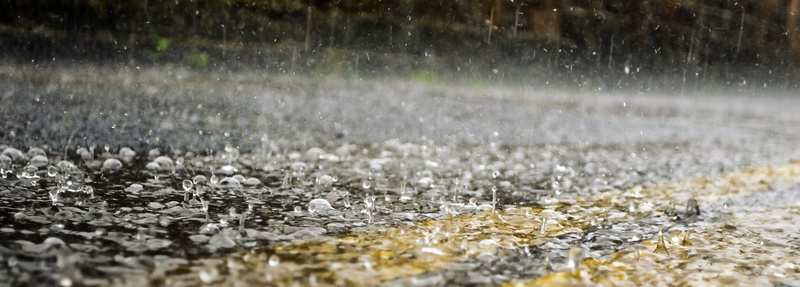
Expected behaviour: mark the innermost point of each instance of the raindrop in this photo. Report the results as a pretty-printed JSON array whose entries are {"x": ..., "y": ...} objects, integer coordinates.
[
  {"x": 52, "y": 171},
  {"x": 274, "y": 260},
  {"x": 54, "y": 196},
  {"x": 347, "y": 199},
  {"x": 574, "y": 259},
  {"x": 494, "y": 198},
  {"x": 662, "y": 246},
  {"x": 205, "y": 209},
  {"x": 214, "y": 179},
  {"x": 242, "y": 219},
  {"x": 686, "y": 241},
  {"x": 88, "y": 190},
  {"x": 543, "y": 229},
  {"x": 208, "y": 274},
  {"x": 187, "y": 185},
  {"x": 692, "y": 209}
]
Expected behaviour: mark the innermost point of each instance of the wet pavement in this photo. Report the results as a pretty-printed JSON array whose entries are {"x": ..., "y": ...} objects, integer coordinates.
[{"x": 131, "y": 175}]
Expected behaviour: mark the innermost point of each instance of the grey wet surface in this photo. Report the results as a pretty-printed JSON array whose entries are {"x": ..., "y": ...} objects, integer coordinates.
[{"x": 291, "y": 132}]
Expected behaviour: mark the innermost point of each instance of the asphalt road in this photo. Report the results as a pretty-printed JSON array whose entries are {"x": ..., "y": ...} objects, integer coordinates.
[{"x": 598, "y": 141}]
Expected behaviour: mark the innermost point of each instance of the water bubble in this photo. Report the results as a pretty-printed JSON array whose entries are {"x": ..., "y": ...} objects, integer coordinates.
[
  {"x": 126, "y": 154},
  {"x": 84, "y": 153},
  {"x": 164, "y": 162},
  {"x": 38, "y": 161},
  {"x": 52, "y": 171},
  {"x": 298, "y": 166},
  {"x": 227, "y": 170},
  {"x": 34, "y": 151},
  {"x": 134, "y": 188},
  {"x": 65, "y": 166},
  {"x": 495, "y": 174},
  {"x": 112, "y": 164},
  {"x": 251, "y": 181},
  {"x": 28, "y": 172},
  {"x": 199, "y": 179},
  {"x": 187, "y": 185},
  {"x": 14, "y": 154},
  {"x": 367, "y": 184},
  {"x": 319, "y": 205},
  {"x": 325, "y": 181},
  {"x": 298, "y": 209}
]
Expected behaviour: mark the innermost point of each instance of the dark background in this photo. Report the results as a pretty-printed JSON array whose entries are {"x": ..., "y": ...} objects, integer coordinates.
[{"x": 604, "y": 43}]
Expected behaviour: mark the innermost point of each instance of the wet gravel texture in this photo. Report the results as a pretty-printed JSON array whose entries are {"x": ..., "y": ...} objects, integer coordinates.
[{"x": 406, "y": 139}]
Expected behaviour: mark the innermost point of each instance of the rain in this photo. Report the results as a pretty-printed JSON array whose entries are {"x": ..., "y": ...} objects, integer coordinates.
[{"x": 399, "y": 143}]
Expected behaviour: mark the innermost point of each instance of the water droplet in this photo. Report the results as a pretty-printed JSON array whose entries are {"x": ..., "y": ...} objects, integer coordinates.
[
  {"x": 367, "y": 184},
  {"x": 661, "y": 247},
  {"x": 495, "y": 174},
  {"x": 494, "y": 198},
  {"x": 319, "y": 205},
  {"x": 54, "y": 196},
  {"x": 543, "y": 229},
  {"x": 346, "y": 199},
  {"x": 52, "y": 171},
  {"x": 214, "y": 179},
  {"x": 692, "y": 209},
  {"x": 686, "y": 241},
  {"x": 208, "y": 275},
  {"x": 298, "y": 209},
  {"x": 88, "y": 190},
  {"x": 187, "y": 185},
  {"x": 574, "y": 259},
  {"x": 199, "y": 179},
  {"x": 274, "y": 260}
]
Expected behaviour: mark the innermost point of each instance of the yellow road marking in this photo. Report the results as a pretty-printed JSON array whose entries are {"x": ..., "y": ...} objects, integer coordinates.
[
  {"x": 749, "y": 249},
  {"x": 387, "y": 253}
]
